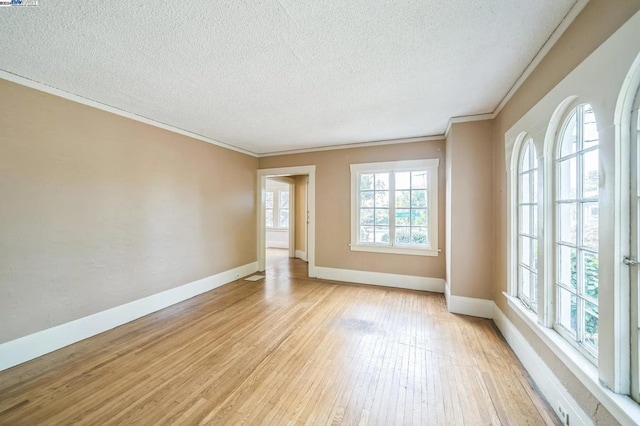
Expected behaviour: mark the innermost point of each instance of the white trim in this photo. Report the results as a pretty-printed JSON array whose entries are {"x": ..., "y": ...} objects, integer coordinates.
[
  {"x": 262, "y": 175},
  {"x": 623, "y": 408},
  {"x": 301, "y": 255},
  {"x": 408, "y": 282},
  {"x": 482, "y": 308},
  {"x": 546, "y": 47},
  {"x": 467, "y": 119},
  {"x": 548, "y": 384},
  {"x": 431, "y": 166},
  {"x": 42, "y": 342},
  {"x": 113, "y": 110},
  {"x": 355, "y": 145},
  {"x": 447, "y": 292},
  {"x": 277, "y": 244}
]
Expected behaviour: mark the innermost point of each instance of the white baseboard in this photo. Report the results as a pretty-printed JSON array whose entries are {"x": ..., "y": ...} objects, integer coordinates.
[
  {"x": 447, "y": 292},
  {"x": 482, "y": 308},
  {"x": 409, "y": 282},
  {"x": 42, "y": 342},
  {"x": 277, "y": 244},
  {"x": 301, "y": 255},
  {"x": 542, "y": 375}
]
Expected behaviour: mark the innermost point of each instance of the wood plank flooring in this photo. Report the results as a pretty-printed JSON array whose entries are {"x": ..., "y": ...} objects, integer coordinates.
[{"x": 282, "y": 350}]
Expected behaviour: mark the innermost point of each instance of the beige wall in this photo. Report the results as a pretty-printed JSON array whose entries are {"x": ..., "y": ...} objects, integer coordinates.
[
  {"x": 98, "y": 210},
  {"x": 470, "y": 195},
  {"x": 333, "y": 223},
  {"x": 301, "y": 213},
  {"x": 598, "y": 20}
]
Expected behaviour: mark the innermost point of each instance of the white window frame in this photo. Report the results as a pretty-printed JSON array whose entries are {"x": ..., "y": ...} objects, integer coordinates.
[
  {"x": 431, "y": 166},
  {"x": 276, "y": 209},
  {"x": 576, "y": 109},
  {"x": 530, "y": 302}
]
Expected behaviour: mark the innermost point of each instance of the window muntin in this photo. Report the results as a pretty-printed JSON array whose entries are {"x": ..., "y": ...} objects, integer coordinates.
[
  {"x": 277, "y": 208},
  {"x": 394, "y": 207},
  {"x": 576, "y": 242},
  {"x": 528, "y": 240}
]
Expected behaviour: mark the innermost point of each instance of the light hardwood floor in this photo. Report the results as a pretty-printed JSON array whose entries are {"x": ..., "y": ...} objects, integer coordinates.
[{"x": 283, "y": 350}]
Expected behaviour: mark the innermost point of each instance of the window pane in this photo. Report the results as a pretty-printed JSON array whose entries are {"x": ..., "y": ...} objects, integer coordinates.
[
  {"x": 366, "y": 181},
  {"x": 419, "y": 198},
  {"x": 419, "y": 217},
  {"x": 591, "y": 326},
  {"x": 590, "y": 214},
  {"x": 269, "y": 218},
  {"x": 284, "y": 218},
  {"x": 403, "y": 199},
  {"x": 568, "y": 143},
  {"x": 403, "y": 180},
  {"x": 419, "y": 180},
  {"x": 590, "y": 132},
  {"x": 382, "y": 198},
  {"x": 567, "y": 266},
  {"x": 403, "y": 235},
  {"x": 590, "y": 174},
  {"x": 567, "y": 310},
  {"x": 382, "y": 234},
  {"x": 366, "y": 234},
  {"x": 366, "y": 216},
  {"x": 567, "y": 178},
  {"x": 402, "y": 217},
  {"x": 284, "y": 199},
  {"x": 525, "y": 220},
  {"x": 525, "y": 163},
  {"x": 382, "y": 217},
  {"x": 382, "y": 180},
  {"x": 567, "y": 222},
  {"x": 525, "y": 251},
  {"x": 534, "y": 291},
  {"x": 534, "y": 248},
  {"x": 525, "y": 283},
  {"x": 419, "y": 236},
  {"x": 590, "y": 271},
  {"x": 525, "y": 188},
  {"x": 366, "y": 199},
  {"x": 268, "y": 196}
]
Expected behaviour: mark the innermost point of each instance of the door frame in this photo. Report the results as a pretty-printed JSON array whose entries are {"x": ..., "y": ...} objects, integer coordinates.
[{"x": 311, "y": 202}]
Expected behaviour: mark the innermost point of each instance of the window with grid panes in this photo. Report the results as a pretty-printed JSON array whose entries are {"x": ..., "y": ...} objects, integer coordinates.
[
  {"x": 576, "y": 244},
  {"x": 394, "y": 207},
  {"x": 528, "y": 226}
]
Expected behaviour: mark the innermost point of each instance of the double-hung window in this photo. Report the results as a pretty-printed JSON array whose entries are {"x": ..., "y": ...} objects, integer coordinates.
[
  {"x": 394, "y": 207},
  {"x": 277, "y": 208}
]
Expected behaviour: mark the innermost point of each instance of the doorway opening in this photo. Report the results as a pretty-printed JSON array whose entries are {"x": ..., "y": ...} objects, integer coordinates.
[{"x": 286, "y": 212}]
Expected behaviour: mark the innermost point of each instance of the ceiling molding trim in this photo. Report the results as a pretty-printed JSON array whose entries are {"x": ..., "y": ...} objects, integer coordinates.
[
  {"x": 14, "y": 78},
  {"x": 468, "y": 118},
  {"x": 354, "y": 145},
  {"x": 546, "y": 47}
]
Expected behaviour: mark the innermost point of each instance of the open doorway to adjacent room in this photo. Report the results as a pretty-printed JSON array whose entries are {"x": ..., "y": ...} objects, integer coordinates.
[{"x": 285, "y": 222}]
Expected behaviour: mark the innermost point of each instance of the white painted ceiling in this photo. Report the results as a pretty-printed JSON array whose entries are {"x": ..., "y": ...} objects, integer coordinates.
[{"x": 274, "y": 75}]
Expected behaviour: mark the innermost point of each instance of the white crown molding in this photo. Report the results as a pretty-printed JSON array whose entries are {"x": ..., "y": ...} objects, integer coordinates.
[
  {"x": 546, "y": 47},
  {"x": 354, "y": 145},
  {"x": 42, "y": 342},
  {"x": 14, "y": 78}
]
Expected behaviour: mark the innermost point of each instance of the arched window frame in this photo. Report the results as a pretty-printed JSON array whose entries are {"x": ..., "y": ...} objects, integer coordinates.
[
  {"x": 571, "y": 244},
  {"x": 526, "y": 228}
]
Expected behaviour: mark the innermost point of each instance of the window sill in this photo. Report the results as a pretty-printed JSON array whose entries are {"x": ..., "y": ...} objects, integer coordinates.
[
  {"x": 622, "y": 407},
  {"x": 395, "y": 250},
  {"x": 276, "y": 229}
]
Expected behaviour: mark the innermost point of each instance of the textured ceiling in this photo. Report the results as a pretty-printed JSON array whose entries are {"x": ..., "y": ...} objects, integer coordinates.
[{"x": 273, "y": 75}]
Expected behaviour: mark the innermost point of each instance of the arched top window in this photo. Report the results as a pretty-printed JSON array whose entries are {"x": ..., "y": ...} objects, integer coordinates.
[
  {"x": 576, "y": 240},
  {"x": 528, "y": 225}
]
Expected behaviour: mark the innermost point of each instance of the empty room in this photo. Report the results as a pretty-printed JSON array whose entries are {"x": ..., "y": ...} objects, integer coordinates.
[{"x": 320, "y": 212}]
